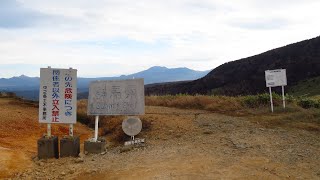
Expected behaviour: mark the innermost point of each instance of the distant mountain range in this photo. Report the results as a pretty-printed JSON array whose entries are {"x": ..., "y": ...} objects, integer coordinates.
[
  {"x": 247, "y": 75},
  {"x": 241, "y": 77},
  {"x": 27, "y": 87}
]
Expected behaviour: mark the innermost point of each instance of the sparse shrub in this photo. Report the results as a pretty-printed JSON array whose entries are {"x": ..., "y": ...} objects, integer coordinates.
[
  {"x": 112, "y": 126},
  {"x": 85, "y": 119},
  {"x": 211, "y": 103},
  {"x": 256, "y": 100},
  {"x": 317, "y": 104},
  {"x": 224, "y": 104},
  {"x": 261, "y": 100},
  {"x": 309, "y": 103},
  {"x": 250, "y": 101},
  {"x": 290, "y": 98},
  {"x": 82, "y": 116},
  {"x": 7, "y": 95},
  {"x": 146, "y": 124},
  {"x": 108, "y": 125}
]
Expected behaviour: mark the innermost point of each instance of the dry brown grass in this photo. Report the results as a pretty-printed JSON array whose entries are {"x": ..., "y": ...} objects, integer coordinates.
[
  {"x": 223, "y": 104},
  {"x": 108, "y": 125},
  {"x": 254, "y": 107},
  {"x": 297, "y": 118}
]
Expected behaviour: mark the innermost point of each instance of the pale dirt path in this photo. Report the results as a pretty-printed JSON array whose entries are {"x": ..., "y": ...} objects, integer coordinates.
[{"x": 210, "y": 146}]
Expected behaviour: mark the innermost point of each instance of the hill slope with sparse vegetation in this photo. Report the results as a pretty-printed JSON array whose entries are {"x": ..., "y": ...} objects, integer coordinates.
[
  {"x": 306, "y": 88},
  {"x": 246, "y": 76}
]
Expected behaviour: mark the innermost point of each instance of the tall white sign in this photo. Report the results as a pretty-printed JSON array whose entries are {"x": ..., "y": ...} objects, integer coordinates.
[
  {"x": 120, "y": 97},
  {"x": 276, "y": 77},
  {"x": 58, "y": 96}
]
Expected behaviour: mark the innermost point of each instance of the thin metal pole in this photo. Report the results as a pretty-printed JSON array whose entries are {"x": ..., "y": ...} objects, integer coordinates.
[
  {"x": 49, "y": 130},
  {"x": 283, "y": 98},
  {"x": 271, "y": 99},
  {"x": 70, "y": 129},
  {"x": 96, "y": 128},
  {"x": 71, "y": 125},
  {"x": 49, "y": 125}
]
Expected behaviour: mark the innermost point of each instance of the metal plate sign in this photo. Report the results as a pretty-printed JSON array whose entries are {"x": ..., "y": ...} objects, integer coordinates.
[
  {"x": 131, "y": 126},
  {"x": 121, "y": 97},
  {"x": 276, "y": 77},
  {"x": 58, "y": 96}
]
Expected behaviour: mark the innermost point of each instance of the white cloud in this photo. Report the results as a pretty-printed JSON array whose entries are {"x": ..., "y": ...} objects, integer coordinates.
[{"x": 199, "y": 34}]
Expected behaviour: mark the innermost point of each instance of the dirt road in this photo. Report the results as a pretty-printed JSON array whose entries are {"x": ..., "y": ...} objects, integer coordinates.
[{"x": 192, "y": 144}]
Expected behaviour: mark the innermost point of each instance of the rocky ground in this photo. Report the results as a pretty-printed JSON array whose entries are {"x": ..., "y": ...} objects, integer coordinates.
[{"x": 192, "y": 144}]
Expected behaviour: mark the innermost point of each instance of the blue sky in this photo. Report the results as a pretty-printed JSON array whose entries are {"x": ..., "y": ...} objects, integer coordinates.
[{"x": 114, "y": 37}]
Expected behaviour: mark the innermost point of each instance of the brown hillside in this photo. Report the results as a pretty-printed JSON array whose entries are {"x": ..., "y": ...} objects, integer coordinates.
[{"x": 246, "y": 76}]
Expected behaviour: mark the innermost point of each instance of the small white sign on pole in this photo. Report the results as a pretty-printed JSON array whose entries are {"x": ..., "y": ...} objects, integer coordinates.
[
  {"x": 58, "y": 96},
  {"x": 276, "y": 78}
]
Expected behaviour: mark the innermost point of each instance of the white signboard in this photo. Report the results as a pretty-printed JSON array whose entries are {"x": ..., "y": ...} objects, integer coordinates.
[
  {"x": 121, "y": 97},
  {"x": 276, "y": 77},
  {"x": 58, "y": 96}
]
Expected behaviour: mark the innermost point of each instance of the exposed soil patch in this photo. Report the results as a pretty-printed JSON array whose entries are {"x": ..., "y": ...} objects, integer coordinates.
[{"x": 19, "y": 132}]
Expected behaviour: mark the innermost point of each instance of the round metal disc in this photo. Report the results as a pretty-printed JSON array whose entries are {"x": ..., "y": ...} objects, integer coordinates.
[{"x": 132, "y": 126}]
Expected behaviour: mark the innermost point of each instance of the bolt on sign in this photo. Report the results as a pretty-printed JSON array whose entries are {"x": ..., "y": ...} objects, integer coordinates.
[
  {"x": 58, "y": 96},
  {"x": 276, "y": 77},
  {"x": 119, "y": 97}
]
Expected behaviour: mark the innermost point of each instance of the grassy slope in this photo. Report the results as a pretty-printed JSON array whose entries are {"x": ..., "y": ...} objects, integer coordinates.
[
  {"x": 309, "y": 87},
  {"x": 247, "y": 76}
]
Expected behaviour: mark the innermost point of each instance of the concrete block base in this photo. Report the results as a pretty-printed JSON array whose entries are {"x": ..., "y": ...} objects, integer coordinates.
[
  {"x": 48, "y": 147},
  {"x": 94, "y": 147},
  {"x": 70, "y": 146}
]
